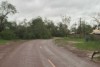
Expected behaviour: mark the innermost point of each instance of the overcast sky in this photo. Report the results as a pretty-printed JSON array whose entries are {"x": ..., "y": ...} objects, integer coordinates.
[{"x": 54, "y": 9}]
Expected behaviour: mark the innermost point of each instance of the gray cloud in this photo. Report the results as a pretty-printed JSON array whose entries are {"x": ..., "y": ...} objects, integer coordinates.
[{"x": 53, "y": 9}]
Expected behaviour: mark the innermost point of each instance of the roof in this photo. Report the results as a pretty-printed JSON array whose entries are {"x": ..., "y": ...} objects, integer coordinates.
[{"x": 96, "y": 31}]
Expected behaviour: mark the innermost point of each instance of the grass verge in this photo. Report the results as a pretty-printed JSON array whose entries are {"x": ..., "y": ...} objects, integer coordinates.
[
  {"x": 79, "y": 43},
  {"x": 3, "y": 41}
]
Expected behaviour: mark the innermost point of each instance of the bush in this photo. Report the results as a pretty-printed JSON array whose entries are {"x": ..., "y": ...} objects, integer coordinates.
[{"x": 8, "y": 35}]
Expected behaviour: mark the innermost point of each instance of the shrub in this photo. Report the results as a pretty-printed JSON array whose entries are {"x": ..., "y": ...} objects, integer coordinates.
[{"x": 7, "y": 34}]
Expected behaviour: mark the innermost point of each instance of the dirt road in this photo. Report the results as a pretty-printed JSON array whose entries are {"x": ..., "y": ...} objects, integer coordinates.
[{"x": 43, "y": 53}]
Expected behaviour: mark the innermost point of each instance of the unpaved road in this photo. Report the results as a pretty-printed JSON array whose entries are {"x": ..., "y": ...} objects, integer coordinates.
[{"x": 43, "y": 53}]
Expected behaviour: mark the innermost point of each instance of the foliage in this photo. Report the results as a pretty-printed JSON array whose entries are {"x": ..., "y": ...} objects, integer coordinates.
[
  {"x": 52, "y": 28},
  {"x": 84, "y": 28},
  {"x": 62, "y": 30},
  {"x": 5, "y": 9},
  {"x": 7, "y": 34},
  {"x": 39, "y": 29}
]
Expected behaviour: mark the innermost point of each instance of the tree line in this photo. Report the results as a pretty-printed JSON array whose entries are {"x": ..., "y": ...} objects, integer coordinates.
[{"x": 36, "y": 28}]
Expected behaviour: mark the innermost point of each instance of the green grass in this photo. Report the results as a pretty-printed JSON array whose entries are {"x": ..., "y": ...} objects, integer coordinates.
[
  {"x": 79, "y": 43},
  {"x": 91, "y": 45},
  {"x": 3, "y": 41},
  {"x": 73, "y": 39}
]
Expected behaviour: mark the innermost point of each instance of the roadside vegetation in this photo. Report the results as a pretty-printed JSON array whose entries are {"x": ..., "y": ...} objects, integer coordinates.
[
  {"x": 79, "y": 43},
  {"x": 80, "y": 46},
  {"x": 3, "y": 41}
]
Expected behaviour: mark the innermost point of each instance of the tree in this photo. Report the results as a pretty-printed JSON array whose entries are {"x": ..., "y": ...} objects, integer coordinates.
[
  {"x": 73, "y": 28},
  {"x": 97, "y": 19},
  {"x": 7, "y": 34},
  {"x": 62, "y": 30},
  {"x": 39, "y": 29},
  {"x": 84, "y": 28},
  {"x": 5, "y": 9},
  {"x": 66, "y": 20},
  {"x": 52, "y": 28}
]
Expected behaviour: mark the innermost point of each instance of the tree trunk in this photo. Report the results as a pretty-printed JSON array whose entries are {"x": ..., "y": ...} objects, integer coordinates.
[{"x": 94, "y": 53}]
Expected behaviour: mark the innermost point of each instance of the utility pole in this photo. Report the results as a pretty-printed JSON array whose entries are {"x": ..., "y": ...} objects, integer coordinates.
[
  {"x": 80, "y": 25},
  {"x": 75, "y": 28}
]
